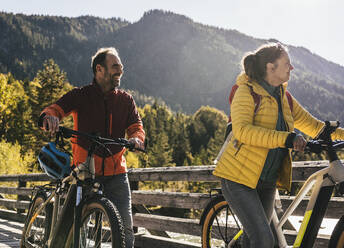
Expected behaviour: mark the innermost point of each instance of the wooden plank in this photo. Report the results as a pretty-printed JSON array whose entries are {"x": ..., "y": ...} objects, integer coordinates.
[
  {"x": 15, "y": 191},
  {"x": 301, "y": 170},
  {"x": 191, "y": 227},
  {"x": 25, "y": 177},
  {"x": 304, "y": 169},
  {"x": 144, "y": 210},
  {"x": 200, "y": 200},
  {"x": 148, "y": 241},
  {"x": 170, "y": 199},
  {"x": 10, "y": 244},
  {"x": 321, "y": 241},
  {"x": 11, "y": 228},
  {"x": 181, "y": 173},
  {"x": 9, "y": 203},
  {"x": 12, "y": 215},
  {"x": 335, "y": 207},
  {"x": 10, "y": 233},
  {"x": 170, "y": 224},
  {"x": 195, "y": 201}
]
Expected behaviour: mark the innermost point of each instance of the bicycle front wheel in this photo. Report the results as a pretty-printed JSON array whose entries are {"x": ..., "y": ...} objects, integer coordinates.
[
  {"x": 37, "y": 225},
  {"x": 101, "y": 225},
  {"x": 220, "y": 227},
  {"x": 337, "y": 237}
]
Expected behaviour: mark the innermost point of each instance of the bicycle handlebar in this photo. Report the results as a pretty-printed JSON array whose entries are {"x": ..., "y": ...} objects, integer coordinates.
[
  {"x": 68, "y": 133},
  {"x": 317, "y": 146}
]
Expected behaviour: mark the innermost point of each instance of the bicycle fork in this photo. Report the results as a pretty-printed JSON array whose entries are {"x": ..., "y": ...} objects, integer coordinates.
[{"x": 77, "y": 215}]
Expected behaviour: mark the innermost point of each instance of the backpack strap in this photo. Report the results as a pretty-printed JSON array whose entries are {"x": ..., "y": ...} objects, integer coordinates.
[
  {"x": 256, "y": 98},
  {"x": 290, "y": 100},
  {"x": 257, "y": 101}
]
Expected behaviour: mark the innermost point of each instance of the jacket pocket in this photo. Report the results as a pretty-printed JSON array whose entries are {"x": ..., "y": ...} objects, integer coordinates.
[{"x": 238, "y": 149}]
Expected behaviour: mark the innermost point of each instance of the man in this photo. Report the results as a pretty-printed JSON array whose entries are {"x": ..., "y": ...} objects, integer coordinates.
[{"x": 102, "y": 109}]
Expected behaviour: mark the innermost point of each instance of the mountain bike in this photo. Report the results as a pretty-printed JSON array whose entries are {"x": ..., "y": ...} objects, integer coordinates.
[
  {"x": 221, "y": 227},
  {"x": 73, "y": 211}
]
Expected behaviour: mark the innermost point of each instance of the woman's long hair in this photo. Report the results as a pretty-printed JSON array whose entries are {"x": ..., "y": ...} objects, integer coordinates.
[{"x": 254, "y": 63}]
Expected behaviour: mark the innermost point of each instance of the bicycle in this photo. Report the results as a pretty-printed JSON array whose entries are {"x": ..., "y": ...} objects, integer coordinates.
[
  {"x": 72, "y": 211},
  {"x": 221, "y": 227}
]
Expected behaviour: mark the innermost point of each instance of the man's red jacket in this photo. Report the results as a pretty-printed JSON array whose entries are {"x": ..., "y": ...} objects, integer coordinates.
[{"x": 108, "y": 115}]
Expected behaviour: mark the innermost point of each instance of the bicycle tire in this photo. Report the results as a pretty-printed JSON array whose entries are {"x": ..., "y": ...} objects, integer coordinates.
[
  {"x": 111, "y": 219},
  {"x": 219, "y": 225},
  {"x": 337, "y": 237},
  {"x": 37, "y": 234}
]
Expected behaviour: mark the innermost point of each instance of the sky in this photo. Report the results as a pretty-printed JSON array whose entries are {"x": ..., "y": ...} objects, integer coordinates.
[{"x": 317, "y": 25}]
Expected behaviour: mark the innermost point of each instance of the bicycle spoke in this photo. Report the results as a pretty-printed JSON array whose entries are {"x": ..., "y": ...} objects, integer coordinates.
[
  {"x": 222, "y": 227},
  {"x": 36, "y": 229},
  {"x": 95, "y": 232},
  {"x": 219, "y": 227}
]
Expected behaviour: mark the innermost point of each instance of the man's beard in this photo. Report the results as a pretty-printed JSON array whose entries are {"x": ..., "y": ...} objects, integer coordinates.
[{"x": 113, "y": 80}]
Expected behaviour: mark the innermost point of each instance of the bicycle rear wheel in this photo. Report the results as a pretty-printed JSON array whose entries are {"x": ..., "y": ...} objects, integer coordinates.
[
  {"x": 220, "y": 226},
  {"x": 337, "y": 237},
  {"x": 101, "y": 225},
  {"x": 37, "y": 225}
]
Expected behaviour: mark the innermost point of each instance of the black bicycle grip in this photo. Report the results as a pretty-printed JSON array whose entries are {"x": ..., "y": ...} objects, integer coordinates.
[{"x": 314, "y": 146}]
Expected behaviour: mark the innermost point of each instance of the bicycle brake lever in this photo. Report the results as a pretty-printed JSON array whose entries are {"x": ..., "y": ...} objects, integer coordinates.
[
  {"x": 132, "y": 148},
  {"x": 314, "y": 146}
]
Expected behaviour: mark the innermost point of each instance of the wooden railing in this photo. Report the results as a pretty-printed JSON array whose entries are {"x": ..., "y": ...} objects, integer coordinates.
[{"x": 158, "y": 225}]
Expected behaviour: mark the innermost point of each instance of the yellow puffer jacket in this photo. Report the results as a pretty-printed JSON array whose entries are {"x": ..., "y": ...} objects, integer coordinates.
[{"x": 254, "y": 134}]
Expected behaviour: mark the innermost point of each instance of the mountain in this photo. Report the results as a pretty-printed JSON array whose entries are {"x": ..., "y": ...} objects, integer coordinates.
[
  {"x": 27, "y": 41},
  {"x": 165, "y": 55}
]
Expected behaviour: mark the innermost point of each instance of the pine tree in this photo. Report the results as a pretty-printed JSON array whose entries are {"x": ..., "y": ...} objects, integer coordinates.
[{"x": 52, "y": 84}]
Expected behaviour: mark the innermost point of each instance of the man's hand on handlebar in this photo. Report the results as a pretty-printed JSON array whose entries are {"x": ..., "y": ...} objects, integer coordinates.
[
  {"x": 138, "y": 143},
  {"x": 51, "y": 124}
]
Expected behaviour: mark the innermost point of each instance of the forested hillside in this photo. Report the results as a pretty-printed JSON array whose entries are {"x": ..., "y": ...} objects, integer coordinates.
[
  {"x": 186, "y": 64},
  {"x": 173, "y": 139}
]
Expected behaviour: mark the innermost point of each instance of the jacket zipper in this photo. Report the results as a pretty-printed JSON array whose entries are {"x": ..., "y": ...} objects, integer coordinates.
[
  {"x": 106, "y": 133},
  {"x": 238, "y": 149},
  {"x": 286, "y": 124}
]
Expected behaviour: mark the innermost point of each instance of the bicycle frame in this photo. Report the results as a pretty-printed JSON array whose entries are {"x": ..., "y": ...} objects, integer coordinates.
[
  {"x": 324, "y": 182},
  {"x": 315, "y": 211},
  {"x": 72, "y": 208},
  {"x": 82, "y": 177},
  {"x": 317, "y": 205}
]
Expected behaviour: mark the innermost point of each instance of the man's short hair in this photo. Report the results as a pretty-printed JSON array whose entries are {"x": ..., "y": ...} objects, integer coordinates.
[{"x": 100, "y": 56}]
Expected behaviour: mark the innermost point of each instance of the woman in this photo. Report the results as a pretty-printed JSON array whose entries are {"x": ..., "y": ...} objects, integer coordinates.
[{"x": 257, "y": 158}]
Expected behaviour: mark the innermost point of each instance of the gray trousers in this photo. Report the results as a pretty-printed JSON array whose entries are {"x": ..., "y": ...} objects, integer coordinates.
[
  {"x": 117, "y": 190},
  {"x": 254, "y": 208}
]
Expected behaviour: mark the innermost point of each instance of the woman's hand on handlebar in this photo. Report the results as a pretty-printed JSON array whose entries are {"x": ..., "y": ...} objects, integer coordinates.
[
  {"x": 51, "y": 124},
  {"x": 299, "y": 143}
]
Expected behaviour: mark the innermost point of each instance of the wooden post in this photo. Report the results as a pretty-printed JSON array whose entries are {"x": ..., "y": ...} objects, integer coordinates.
[
  {"x": 21, "y": 184},
  {"x": 134, "y": 185}
]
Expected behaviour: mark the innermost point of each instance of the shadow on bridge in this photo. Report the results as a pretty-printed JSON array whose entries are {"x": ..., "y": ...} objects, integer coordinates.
[{"x": 10, "y": 233}]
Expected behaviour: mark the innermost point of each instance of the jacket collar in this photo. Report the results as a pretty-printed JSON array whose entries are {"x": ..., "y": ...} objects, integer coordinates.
[
  {"x": 244, "y": 79},
  {"x": 99, "y": 91}
]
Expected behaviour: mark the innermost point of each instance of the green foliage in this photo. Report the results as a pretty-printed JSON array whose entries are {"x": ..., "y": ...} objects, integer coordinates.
[
  {"x": 156, "y": 121},
  {"x": 12, "y": 161},
  {"x": 178, "y": 139},
  {"x": 21, "y": 104},
  {"x": 46, "y": 88},
  {"x": 15, "y": 111},
  {"x": 51, "y": 84},
  {"x": 206, "y": 134}
]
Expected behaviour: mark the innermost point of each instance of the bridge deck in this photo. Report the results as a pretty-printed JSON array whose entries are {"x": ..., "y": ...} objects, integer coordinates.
[{"x": 10, "y": 232}]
